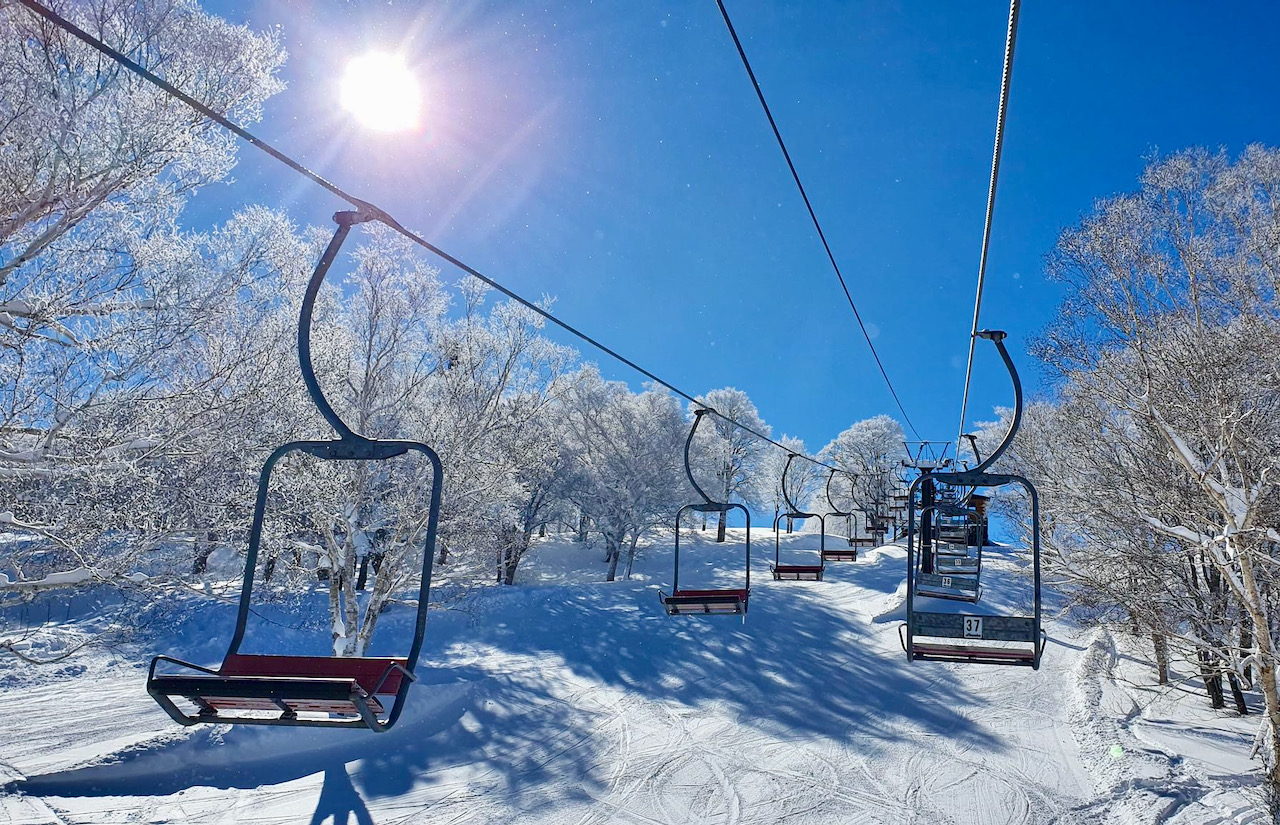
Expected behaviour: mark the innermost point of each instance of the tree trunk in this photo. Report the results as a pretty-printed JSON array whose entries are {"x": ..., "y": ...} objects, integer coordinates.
[
  {"x": 724, "y": 517},
  {"x": 1237, "y": 695},
  {"x": 204, "y": 549},
  {"x": 1212, "y": 678},
  {"x": 542, "y": 530},
  {"x": 613, "y": 555},
  {"x": 631, "y": 558},
  {"x": 1266, "y": 680},
  {"x": 1246, "y": 642},
  {"x": 1161, "y": 645},
  {"x": 582, "y": 528},
  {"x": 514, "y": 554}
]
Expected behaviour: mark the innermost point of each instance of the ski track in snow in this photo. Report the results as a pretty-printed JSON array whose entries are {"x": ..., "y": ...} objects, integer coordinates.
[{"x": 585, "y": 705}]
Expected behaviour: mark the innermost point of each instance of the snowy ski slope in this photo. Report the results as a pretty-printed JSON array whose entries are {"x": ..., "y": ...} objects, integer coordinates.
[{"x": 560, "y": 701}]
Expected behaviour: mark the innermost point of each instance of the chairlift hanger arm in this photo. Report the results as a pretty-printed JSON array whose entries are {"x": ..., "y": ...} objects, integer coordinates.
[
  {"x": 345, "y": 220},
  {"x": 853, "y": 480},
  {"x": 792, "y": 510},
  {"x": 997, "y": 337},
  {"x": 688, "y": 467}
]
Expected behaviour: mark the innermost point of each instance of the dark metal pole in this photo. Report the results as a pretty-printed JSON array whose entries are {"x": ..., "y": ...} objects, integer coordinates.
[{"x": 926, "y": 523}]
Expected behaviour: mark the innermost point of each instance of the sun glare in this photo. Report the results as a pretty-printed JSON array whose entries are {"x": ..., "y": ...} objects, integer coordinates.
[{"x": 381, "y": 93}]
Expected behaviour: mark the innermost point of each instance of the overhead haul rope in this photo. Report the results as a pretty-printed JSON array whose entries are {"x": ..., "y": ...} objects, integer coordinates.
[
  {"x": 822, "y": 236},
  {"x": 382, "y": 216},
  {"x": 1010, "y": 39}
]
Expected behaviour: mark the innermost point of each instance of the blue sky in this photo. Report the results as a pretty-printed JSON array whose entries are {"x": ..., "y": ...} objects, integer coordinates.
[{"x": 613, "y": 155}]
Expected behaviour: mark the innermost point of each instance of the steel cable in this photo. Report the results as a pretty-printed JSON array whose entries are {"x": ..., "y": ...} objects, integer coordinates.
[
  {"x": 1010, "y": 39},
  {"x": 812, "y": 214}
]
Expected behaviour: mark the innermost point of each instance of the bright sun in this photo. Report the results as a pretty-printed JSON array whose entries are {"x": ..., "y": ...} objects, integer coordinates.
[{"x": 380, "y": 92}]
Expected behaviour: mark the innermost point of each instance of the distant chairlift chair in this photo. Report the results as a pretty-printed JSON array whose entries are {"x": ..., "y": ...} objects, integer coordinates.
[
  {"x": 1021, "y": 640},
  {"x": 956, "y": 571},
  {"x": 313, "y": 691},
  {"x": 706, "y": 602},
  {"x": 849, "y": 553},
  {"x": 796, "y": 572}
]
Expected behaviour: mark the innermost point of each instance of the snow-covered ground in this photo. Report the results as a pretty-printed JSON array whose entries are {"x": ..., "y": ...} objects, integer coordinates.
[{"x": 571, "y": 700}]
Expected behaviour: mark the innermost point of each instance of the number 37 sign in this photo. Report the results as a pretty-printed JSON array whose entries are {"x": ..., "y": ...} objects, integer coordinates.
[{"x": 973, "y": 627}]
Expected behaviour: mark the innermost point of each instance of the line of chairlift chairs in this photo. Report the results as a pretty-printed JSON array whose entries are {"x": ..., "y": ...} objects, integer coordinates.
[
  {"x": 370, "y": 692},
  {"x": 944, "y": 555}
]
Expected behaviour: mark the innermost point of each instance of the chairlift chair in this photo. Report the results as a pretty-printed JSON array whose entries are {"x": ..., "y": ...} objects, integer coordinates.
[
  {"x": 952, "y": 553},
  {"x": 307, "y": 691},
  {"x": 796, "y": 572},
  {"x": 849, "y": 553},
  {"x": 960, "y": 637},
  {"x": 706, "y": 602}
]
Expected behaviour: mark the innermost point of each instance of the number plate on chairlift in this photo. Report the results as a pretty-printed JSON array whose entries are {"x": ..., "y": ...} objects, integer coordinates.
[
  {"x": 973, "y": 627},
  {"x": 946, "y": 581}
]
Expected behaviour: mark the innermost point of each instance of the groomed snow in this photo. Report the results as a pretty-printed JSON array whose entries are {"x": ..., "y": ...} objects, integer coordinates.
[{"x": 570, "y": 700}]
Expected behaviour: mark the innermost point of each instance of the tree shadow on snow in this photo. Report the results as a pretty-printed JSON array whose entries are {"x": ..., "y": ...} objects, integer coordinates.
[
  {"x": 519, "y": 716},
  {"x": 799, "y": 665}
]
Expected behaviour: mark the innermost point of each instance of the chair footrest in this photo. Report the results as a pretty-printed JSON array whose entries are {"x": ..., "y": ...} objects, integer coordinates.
[
  {"x": 257, "y": 687},
  {"x": 961, "y": 653},
  {"x": 705, "y": 602},
  {"x": 798, "y": 572}
]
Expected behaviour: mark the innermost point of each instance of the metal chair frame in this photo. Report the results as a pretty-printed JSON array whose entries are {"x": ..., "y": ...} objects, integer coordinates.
[
  {"x": 967, "y": 629},
  {"x": 710, "y": 601},
  {"x": 321, "y": 687}
]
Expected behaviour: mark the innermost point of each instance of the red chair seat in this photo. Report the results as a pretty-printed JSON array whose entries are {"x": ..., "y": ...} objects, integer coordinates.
[
  {"x": 367, "y": 672},
  {"x": 703, "y": 594}
]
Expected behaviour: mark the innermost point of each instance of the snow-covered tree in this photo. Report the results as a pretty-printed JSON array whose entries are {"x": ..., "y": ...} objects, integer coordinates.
[
  {"x": 1167, "y": 338},
  {"x": 490, "y": 412},
  {"x": 151, "y": 428},
  {"x": 629, "y": 450},
  {"x": 113, "y": 323},
  {"x": 868, "y": 450}
]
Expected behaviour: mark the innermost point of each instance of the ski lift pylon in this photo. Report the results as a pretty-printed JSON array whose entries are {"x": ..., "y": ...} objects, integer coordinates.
[{"x": 307, "y": 691}]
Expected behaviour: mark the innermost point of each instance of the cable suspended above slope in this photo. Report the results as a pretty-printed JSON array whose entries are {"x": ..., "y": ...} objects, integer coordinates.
[
  {"x": 1011, "y": 38},
  {"x": 813, "y": 215},
  {"x": 371, "y": 212}
]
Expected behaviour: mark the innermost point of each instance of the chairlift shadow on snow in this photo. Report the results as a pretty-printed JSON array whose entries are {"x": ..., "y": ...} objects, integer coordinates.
[
  {"x": 459, "y": 717},
  {"x": 339, "y": 799}
]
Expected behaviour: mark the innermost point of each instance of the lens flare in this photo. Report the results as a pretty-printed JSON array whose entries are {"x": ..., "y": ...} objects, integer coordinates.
[{"x": 381, "y": 93}]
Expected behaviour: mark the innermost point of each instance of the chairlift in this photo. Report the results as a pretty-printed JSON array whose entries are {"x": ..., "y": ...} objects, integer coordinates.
[
  {"x": 796, "y": 572},
  {"x": 705, "y": 601},
  {"x": 959, "y": 637},
  {"x": 840, "y": 553},
  {"x": 305, "y": 691},
  {"x": 953, "y": 554}
]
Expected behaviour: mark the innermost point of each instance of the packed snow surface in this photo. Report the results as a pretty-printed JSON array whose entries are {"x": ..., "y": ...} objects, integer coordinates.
[{"x": 570, "y": 700}]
